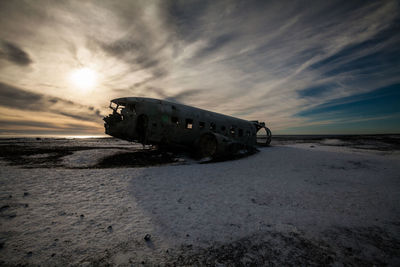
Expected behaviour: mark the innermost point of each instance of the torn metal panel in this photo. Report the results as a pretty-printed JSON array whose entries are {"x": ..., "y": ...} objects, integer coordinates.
[{"x": 163, "y": 123}]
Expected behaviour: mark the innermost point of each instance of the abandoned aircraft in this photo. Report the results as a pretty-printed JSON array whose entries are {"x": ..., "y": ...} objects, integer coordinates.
[{"x": 166, "y": 124}]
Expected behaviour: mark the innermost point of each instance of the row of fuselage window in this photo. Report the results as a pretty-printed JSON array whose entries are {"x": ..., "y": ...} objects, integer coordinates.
[{"x": 189, "y": 124}]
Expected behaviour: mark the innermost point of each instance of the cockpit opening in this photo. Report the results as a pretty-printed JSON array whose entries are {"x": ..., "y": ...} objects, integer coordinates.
[
  {"x": 123, "y": 109},
  {"x": 113, "y": 106}
]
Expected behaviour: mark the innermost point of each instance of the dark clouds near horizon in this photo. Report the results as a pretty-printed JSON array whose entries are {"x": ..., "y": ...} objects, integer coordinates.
[{"x": 21, "y": 99}]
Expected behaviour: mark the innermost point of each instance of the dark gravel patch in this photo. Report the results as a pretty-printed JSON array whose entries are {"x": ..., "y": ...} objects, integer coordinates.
[
  {"x": 141, "y": 158},
  {"x": 32, "y": 156},
  {"x": 364, "y": 246}
]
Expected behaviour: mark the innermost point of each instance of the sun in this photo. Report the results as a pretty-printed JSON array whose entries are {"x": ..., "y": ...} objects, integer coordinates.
[{"x": 84, "y": 78}]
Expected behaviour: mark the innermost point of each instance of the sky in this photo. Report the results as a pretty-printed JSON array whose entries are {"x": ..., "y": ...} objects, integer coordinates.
[{"x": 303, "y": 67}]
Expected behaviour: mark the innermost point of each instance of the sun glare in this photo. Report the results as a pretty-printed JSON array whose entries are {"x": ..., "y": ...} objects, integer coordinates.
[{"x": 84, "y": 78}]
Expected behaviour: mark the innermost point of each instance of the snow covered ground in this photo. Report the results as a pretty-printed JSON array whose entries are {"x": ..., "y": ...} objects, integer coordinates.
[{"x": 299, "y": 204}]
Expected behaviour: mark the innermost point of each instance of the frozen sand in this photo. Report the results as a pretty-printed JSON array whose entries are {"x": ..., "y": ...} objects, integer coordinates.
[{"x": 291, "y": 204}]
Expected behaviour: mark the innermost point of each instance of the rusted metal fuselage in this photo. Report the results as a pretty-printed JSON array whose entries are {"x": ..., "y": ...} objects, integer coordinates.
[{"x": 163, "y": 123}]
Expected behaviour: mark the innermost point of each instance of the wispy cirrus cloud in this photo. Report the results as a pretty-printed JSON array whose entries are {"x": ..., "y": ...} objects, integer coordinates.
[{"x": 277, "y": 61}]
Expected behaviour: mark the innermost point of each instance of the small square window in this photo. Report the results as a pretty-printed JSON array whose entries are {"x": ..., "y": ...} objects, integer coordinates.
[
  {"x": 202, "y": 124},
  {"x": 189, "y": 124},
  {"x": 240, "y": 132},
  {"x": 232, "y": 131},
  {"x": 175, "y": 121},
  {"x": 213, "y": 127}
]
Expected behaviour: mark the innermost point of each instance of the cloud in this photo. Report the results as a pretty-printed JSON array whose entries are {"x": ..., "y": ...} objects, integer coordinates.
[
  {"x": 17, "y": 98},
  {"x": 214, "y": 45},
  {"x": 140, "y": 55},
  {"x": 317, "y": 90},
  {"x": 185, "y": 17},
  {"x": 133, "y": 51},
  {"x": 20, "y": 99},
  {"x": 265, "y": 60},
  {"x": 33, "y": 128},
  {"x": 14, "y": 54},
  {"x": 382, "y": 101},
  {"x": 26, "y": 123},
  {"x": 185, "y": 96}
]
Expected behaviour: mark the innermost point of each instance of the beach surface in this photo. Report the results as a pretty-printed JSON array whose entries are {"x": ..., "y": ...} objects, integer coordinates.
[{"x": 301, "y": 201}]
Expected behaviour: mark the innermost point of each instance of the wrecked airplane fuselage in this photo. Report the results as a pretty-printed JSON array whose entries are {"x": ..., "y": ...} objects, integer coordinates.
[{"x": 163, "y": 123}]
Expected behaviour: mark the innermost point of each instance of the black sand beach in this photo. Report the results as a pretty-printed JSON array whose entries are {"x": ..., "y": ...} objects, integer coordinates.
[{"x": 305, "y": 200}]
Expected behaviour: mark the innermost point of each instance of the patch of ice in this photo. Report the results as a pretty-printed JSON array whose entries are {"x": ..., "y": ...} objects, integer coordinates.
[
  {"x": 87, "y": 158},
  {"x": 333, "y": 142},
  {"x": 344, "y": 149}
]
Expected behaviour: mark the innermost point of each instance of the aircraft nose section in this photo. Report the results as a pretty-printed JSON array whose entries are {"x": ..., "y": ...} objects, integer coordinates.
[
  {"x": 121, "y": 126},
  {"x": 110, "y": 122}
]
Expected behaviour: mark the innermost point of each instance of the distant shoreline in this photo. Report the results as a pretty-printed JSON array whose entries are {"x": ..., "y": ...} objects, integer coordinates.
[{"x": 274, "y": 136}]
